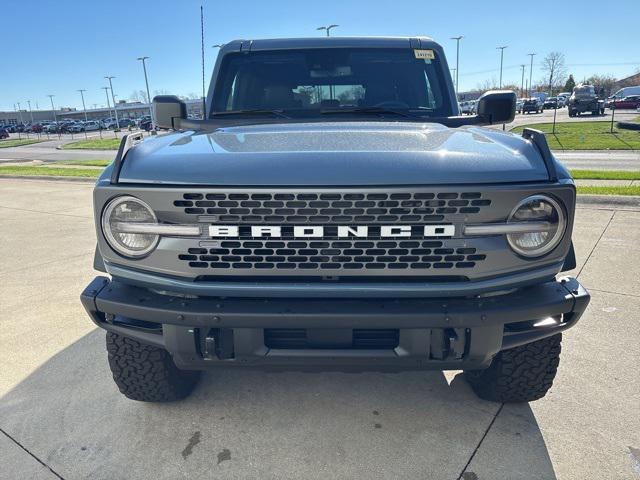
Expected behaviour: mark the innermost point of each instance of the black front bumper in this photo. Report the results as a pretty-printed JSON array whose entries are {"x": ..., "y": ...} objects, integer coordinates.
[{"x": 446, "y": 333}]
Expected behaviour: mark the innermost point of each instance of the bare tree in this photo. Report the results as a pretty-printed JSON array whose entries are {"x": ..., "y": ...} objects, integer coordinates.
[
  {"x": 139, "y": 96},
  {"x": 488, "y": 84},
  {"x": 555, "y": 70},
  {"x": 604, "y": 84}
]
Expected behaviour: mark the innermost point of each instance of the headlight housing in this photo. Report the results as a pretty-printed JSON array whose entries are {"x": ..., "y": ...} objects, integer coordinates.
[
  {"x": 127, "y": 210},
  {"x": 537, "y": 208}
]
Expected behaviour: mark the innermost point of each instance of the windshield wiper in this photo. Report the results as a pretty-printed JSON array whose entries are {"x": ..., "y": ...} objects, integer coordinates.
[
  {"x": 371, "y": 111},
  {"x": 256, "y": 111}
]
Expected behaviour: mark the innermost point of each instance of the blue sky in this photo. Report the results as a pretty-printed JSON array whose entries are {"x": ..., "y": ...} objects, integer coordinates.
[{"x": 57, "y": 47}]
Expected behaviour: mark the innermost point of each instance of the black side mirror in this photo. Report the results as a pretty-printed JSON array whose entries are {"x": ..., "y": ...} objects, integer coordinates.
[
  {"x": 497, "y": 106},
  {"x": 166, "y": 108}
]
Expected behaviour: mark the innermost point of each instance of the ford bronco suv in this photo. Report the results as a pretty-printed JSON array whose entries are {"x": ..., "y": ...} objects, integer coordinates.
[
  {"x": 333, "y": 210},
  {"x": 584, "y": 99}
]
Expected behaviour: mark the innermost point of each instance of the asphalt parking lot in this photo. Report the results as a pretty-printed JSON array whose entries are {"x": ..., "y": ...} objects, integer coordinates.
[{"x": 61, "y": 416}]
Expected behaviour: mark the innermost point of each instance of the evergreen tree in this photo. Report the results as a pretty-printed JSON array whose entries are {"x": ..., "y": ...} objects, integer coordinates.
[{"x": 568, "y": 86}]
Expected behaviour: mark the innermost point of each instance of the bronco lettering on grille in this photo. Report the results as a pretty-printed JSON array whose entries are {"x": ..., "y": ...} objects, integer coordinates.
[{"x": 334, "y": 231}]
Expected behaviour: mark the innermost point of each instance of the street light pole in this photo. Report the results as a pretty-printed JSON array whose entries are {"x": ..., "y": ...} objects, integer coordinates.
[
  {"x": 20, "y": 112},
  {"x": 55, "y": 118},
  {"x": 501, "y": 58},
  {"x": 115, "y": 109},
  {"x": 106, "y": 93},
  {"x": 457, "y": 39},
  {"x": 328, "y": 28},
  {"x": 522, "y": 66},
  {"x": 30, "y": 111},
  {"x": 83, "y": 107},
  {"x": 146, "y": 81},
  {"x": 531, "y": 71}
]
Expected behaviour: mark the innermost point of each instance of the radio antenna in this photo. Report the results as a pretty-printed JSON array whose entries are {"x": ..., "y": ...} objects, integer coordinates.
[{"x": 204, "y": 103}]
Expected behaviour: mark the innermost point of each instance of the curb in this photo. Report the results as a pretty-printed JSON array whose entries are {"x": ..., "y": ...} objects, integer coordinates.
[
  {"x": 609, "y": 201},
  {"x": 51, "y": 178}
]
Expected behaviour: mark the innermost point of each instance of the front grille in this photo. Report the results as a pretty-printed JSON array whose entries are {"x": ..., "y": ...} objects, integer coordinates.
[
  {"x": 328, "y": 208},
  {"x": 324, "y": 255},
  {"x": 298, "y": 338}
]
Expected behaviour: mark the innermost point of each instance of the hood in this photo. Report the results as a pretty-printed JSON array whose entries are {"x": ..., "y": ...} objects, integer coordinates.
[{"x": 334, "y": 154}]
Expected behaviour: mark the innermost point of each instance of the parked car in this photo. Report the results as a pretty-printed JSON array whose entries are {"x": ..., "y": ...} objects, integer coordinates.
[
  {"x": 630, "y": 102},
  {"x": 91, "y": 125},
  {"x": 146, "y": 125},
  {"x": 126, "y": 122},
  {"x": 550, "y": 102},
  {"x": 342, "y": 278},
  {"x": 467, "y": 107},
  {"x": 519, "y": 103},
  {"x": 4, "y": 133},
  {"x": 109, "y": 123},
  {"x": 532, "y": 104},
  {"x": 53, "y": 127}
]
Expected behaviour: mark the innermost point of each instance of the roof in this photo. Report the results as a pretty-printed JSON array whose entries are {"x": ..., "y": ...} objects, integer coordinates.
[{"x": 330, "y": 42}]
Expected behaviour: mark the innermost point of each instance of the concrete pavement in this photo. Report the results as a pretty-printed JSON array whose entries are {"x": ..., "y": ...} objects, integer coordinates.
[{"x": 61, "y": 416}]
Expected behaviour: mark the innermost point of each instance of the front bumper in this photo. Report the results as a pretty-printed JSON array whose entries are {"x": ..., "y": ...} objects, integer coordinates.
[{"x": 436, "y": 333}]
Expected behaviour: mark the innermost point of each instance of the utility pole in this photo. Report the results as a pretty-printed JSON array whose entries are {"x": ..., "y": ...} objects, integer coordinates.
[
  {"x": 501, "y": 58},
  {"x": 115, "y": 109},
  {"x": 531, "y": 72},
  {"x": 327, "y": 29},
  {"x": 457, "y": 39},
  {"x": 83, "y": 107},
  {"x": 522, "y": 66},
  {"x": 55, "y": 118},
  {"x": 146, "y": 81}
]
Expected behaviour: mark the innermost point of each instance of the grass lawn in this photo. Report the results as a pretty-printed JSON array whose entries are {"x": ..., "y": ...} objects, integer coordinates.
[
  {"x": 61, "y": 171},
  {"x": 17, "y": 142},
  {"x": 633, "y": 190},
  {"x": 94, "y": 144},
  {"x": 586, "y": 136},
  {"x": 604, "y": 175},
  {"x": 51, "y": 171},
  {"x": 85, "y": 163}
]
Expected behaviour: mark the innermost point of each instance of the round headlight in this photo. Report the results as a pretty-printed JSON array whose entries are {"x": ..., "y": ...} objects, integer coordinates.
[
  {"x": 127, "y": 210},
  {"x": 540, "y": 209}
]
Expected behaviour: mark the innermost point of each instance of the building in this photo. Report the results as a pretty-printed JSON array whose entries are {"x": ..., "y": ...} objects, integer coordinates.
[
  {"x": 632, "y": 81},
  {"x": 125, "y": 110}
]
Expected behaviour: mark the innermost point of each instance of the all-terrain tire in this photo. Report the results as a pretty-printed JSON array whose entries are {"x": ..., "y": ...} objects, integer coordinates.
[
  {"x": 147, "y": 373},
  {"x": 520, "y": 374}
]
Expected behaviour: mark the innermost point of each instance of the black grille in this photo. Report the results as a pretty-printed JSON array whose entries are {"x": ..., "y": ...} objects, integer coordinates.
[
  {"x": 327, "y": 208},
  {"x": 348, "y": 254},
  {"x": 297, "y": 338}
]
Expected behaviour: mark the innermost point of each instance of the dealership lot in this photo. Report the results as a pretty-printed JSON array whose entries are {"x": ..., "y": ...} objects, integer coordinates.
[{"x": 62, "y": 416}]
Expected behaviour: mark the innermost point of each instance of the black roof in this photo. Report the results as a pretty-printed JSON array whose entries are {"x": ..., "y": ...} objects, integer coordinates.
[{"x": 329, "y": 42}]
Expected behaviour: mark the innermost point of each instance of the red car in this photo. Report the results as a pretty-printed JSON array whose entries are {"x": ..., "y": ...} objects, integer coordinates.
[{"x": 630, "y": 102}]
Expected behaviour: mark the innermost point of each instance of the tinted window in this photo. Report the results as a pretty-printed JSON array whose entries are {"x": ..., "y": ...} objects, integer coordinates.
[{"x": 337, "y": 78}]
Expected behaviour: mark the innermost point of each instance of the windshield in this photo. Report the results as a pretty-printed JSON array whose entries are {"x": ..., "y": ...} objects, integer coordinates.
[{"x": 310, "y": 82}]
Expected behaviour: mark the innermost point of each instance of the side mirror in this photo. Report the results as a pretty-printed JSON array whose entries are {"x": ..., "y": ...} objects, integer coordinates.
[
  {"x": 497, "y": 106},
  {"x": 166, "y": 108}
]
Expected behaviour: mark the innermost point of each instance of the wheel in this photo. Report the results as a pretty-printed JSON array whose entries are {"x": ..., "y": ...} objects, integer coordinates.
[
  {"x": 520, "y": 374},
  {"x": 146, "y": 373}
]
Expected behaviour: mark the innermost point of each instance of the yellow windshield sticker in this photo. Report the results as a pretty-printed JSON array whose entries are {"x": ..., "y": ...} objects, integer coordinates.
[{"x": 425, "y": 54}]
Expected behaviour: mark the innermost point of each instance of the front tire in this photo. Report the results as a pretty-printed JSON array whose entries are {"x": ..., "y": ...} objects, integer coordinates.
[
  {"x": 147, "y": 373},
  {"x": 520, "y": 374}
]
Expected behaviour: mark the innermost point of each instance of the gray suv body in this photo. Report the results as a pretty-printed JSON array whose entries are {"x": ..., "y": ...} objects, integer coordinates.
[{"x": 334, "y": 211}]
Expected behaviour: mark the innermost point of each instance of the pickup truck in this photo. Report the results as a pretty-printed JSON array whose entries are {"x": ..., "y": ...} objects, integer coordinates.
[{"x": 334, "y": 211}]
